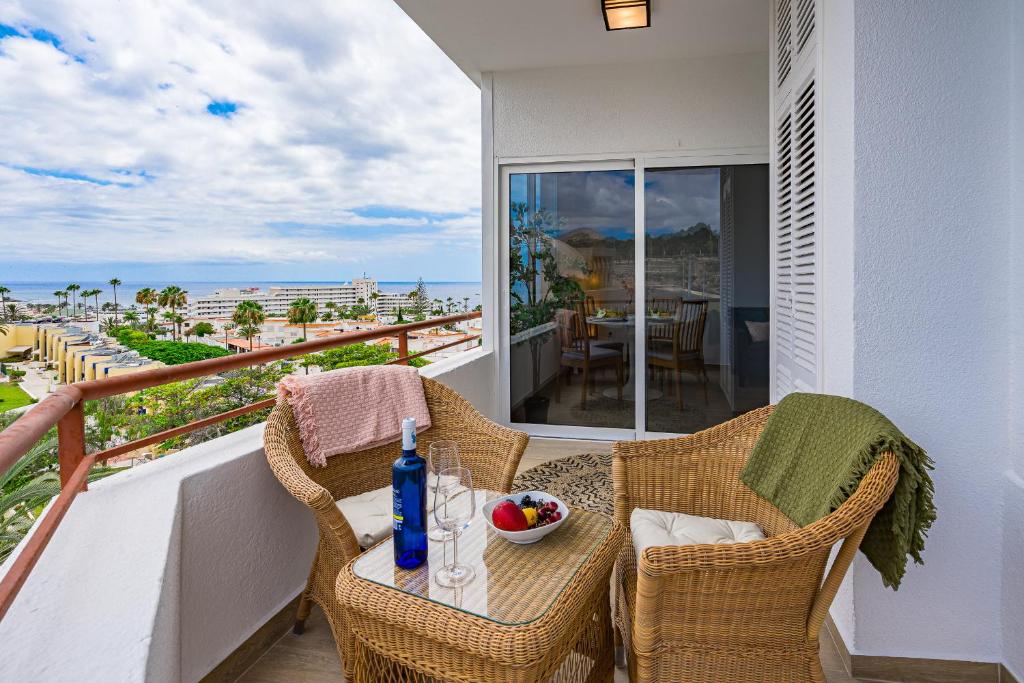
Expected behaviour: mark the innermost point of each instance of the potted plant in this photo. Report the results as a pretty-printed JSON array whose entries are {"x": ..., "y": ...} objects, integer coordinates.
[{"x": 537, "y": 289}]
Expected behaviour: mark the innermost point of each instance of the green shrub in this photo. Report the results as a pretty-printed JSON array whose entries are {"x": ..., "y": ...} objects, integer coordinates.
[{"x": 176, "y": 353}]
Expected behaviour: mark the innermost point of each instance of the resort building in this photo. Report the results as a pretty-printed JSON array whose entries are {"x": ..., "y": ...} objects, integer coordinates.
[
  {"x": 276, "y": 300},
  {"x": 740, "y": 200}
]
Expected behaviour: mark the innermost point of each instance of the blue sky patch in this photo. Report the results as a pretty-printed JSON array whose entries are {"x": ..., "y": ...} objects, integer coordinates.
[
  {"x": 8, "y": 31},
  {"x": 164, "y": 86},
  {"x": 223, "y": 108},
  {"x": 401, "y": 212},
  {"x": 66, "y": 175}
]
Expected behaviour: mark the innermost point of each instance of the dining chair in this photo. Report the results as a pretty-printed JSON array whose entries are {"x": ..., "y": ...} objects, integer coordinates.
[
  {"x": 579, "y": 351},
  {"x": 684, "y": 350}
]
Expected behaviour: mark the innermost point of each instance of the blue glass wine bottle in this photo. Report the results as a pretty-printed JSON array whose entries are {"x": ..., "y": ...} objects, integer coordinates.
[{"x": 409, "y": 489}]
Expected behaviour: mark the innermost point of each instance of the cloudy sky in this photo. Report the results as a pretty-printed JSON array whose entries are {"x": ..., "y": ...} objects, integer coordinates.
[{"x": 226, "y": 140}]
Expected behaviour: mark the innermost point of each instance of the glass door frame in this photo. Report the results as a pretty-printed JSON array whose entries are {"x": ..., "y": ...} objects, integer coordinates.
[{"x": 638, "y": 164}]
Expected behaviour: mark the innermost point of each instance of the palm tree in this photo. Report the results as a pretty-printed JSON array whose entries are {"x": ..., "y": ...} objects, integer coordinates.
[
  {"x": 3, "y": 296},
  {"x": 147, "y": 297},
  {"x": 131, "y": 317},
  {"x": 95, "y": 293},
  {"x": 168, "y": 316},
  {"x": 228, "y": 327},
  {"x": 73, "y": 288},
  {"x": 173, "y": 297},
  {"x": 302, "y": 311},
  {"x": 13, "y": 312},
  {"x": 249, "y": 315},
  {"x": 151, "y": 312},
  {"x": 115, "y": 283},
  {"x": 373, "y": 300},
  {"x": 177, "y": 321},
  {"x": 60, "y": 293}
]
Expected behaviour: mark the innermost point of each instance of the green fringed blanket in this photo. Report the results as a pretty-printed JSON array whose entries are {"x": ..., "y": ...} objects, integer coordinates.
[{"x": 813, "y": 453}]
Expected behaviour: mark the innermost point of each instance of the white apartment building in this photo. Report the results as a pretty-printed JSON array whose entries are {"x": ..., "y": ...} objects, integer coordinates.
[
  {"x": 276, "y": 300},
  {"x": 389, "y": 302}
]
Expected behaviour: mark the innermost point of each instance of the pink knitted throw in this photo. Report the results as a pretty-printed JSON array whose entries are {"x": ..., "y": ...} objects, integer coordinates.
[{"x": 352, "y": 409}]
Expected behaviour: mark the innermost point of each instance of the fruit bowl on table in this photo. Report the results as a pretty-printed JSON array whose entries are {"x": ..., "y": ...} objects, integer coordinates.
[{"x": 547, "y": 521}]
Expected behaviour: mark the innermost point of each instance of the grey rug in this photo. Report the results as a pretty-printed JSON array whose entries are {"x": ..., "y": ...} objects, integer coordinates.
[{"x": 580, "y": 481}]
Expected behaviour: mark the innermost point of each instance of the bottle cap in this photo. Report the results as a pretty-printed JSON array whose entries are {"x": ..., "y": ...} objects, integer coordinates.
[{"x": 409, "y": 434}]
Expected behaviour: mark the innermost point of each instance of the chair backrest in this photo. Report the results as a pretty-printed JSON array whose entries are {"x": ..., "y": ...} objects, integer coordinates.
[
  {"x": 662, "y": 305},
  {"x": 690, "y": 319},
  {"x": 573, "y": 330},
  {"x": 490, "y": 451}
]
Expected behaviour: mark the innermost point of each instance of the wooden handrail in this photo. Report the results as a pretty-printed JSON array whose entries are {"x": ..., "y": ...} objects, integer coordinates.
[{"x": 63, "y": 408}]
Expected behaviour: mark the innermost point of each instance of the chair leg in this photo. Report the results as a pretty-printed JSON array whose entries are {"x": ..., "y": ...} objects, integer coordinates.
[
  {"x": 558, "y": 386},
  {"x": 618, "y": 378},
  {"x": 679, "y": 388},
  {"x": 583, "y": 396},
  {"x": 706, "y": 382},
  {"x": 305, "y": 606}
]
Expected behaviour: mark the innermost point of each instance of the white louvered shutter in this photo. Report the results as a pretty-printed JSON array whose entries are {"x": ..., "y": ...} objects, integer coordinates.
[{"x": 796, "y": 229}]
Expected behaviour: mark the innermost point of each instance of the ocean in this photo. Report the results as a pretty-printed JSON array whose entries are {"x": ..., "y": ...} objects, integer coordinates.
[{"x": 42, "y": 292}]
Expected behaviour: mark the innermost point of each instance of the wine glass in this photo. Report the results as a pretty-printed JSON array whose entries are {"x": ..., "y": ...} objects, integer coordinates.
[
  {"x": 454, "y": 507},
  {"x": 441, "y": 455}
]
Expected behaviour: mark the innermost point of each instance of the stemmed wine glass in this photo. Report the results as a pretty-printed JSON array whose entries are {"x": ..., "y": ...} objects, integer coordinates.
[
  {"x": 454, "y": 507},
  {"x": 441, "y": 455}
]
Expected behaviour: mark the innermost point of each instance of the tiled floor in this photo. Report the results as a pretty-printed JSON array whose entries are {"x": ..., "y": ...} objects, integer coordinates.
[{"x": 312, "y": 657}]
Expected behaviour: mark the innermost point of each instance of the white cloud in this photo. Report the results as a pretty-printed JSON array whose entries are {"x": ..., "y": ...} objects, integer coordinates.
[{"x": 341, "y": 105}]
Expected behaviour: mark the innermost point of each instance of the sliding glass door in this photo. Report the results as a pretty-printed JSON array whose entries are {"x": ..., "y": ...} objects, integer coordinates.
[
  {"x": 571, "y": 272},
  {"x": 583, "y": 343}
]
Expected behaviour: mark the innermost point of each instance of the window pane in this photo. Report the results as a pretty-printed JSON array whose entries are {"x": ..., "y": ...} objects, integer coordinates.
[
  {"x": 707, "y": 266},
  {"x": 572, "y": 259}
]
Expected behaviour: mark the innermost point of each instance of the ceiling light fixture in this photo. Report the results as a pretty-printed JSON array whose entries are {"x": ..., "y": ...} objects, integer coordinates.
[{"x": 620, "y": 14}]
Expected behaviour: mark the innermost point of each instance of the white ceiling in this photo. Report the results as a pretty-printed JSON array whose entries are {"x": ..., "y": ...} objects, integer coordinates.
[{"x": 497, "y": 35}]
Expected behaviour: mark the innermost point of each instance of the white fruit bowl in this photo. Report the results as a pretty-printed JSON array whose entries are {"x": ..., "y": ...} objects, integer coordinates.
[{"x": 530, "y": 535}]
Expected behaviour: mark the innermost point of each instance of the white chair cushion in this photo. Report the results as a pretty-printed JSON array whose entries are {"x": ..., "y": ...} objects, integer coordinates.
[
  {"x": 369, "y": 515},
  {"x": 654, "y": 528}
]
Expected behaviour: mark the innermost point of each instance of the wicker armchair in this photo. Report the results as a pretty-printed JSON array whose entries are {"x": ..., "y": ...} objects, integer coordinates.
[
  {"x": 744, "y": 612},
  {"x": 492, "y": 453}
]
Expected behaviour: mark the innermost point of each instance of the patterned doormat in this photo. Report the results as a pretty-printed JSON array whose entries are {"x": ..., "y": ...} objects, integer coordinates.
[{"x": 581, "y": 481}]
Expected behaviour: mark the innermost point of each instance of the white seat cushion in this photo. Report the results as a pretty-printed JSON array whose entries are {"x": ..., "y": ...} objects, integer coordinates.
[
  {"x": 654, "y": 527},
  {"x": 369, "y": 515}
]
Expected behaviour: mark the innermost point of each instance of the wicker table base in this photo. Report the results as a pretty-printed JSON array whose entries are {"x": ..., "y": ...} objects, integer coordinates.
[{"x": 529, "y": 629}]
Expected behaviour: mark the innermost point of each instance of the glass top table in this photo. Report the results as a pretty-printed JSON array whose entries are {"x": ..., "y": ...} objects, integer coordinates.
[{"x": 514, "y": 584}]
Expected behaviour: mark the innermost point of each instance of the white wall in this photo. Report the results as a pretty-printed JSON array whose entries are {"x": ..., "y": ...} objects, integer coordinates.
[
  {"x": 932, "y": 305},
  {"x": 1013, "y": 522},
  {"x": 160, "y": 572},
  {"x": 694, "y": 104},
  {"x": 837, "y": 219}
]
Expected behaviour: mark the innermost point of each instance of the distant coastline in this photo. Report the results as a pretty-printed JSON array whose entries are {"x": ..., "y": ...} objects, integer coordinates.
[{"x": 42, "y": 291}]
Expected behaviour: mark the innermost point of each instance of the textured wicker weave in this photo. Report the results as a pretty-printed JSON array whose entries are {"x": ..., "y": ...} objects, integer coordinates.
[
  {"x": 744, "y": 612},
  {"x": 492, "y": 453},
  {"x": 404, "y": 637}
]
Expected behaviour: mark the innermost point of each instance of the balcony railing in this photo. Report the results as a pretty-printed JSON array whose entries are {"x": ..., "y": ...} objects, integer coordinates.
[{"x": 64, "y": 408}]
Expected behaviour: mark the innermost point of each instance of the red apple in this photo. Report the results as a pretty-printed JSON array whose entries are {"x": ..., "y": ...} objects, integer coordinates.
[{"x": 507, "y": 516}]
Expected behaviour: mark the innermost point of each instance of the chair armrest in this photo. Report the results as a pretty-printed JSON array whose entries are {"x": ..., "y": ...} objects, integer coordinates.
[{"x": 277, "y": 436}]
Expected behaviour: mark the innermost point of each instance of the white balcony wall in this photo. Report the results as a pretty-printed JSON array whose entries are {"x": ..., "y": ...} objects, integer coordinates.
[
  {"x": 160, "y": 572},
  {"x": 1013, "y": 521},
  {"x": 600, "y": 111},
  {"x": 922, "y": 298}
]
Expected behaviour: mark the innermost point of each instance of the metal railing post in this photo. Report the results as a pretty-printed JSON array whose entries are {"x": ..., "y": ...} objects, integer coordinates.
[
  {"x": 403, "y": 347},
  {"x": 71, "y": 443}
]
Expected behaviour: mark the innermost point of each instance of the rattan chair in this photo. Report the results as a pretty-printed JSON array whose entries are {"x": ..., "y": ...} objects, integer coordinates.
[
  {"x": 490, "y": 451},
  {"x": 744, "y": 612}
]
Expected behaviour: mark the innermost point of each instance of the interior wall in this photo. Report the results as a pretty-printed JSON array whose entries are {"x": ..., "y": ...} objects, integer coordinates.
[
  {"x": 1013, "y": 522},
  {"x": 753, "y": 261},
  {"x": 693, "y": 104},
  {"x": 932, "y": 306}
]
